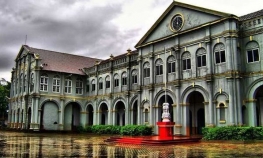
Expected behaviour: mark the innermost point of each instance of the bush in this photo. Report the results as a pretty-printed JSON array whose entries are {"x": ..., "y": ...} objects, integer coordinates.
[
  {"x": 233, "y": 133},
  {"x": 136, "y": 130},
  {"x": 105, "y": 129}
]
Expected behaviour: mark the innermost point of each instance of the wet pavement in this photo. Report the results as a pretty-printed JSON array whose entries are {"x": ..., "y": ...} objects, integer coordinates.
[{"x": 17, "y": 144}]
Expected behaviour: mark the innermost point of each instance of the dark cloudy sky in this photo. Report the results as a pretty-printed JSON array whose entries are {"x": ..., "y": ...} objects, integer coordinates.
[{"x": 95, "y": 28}]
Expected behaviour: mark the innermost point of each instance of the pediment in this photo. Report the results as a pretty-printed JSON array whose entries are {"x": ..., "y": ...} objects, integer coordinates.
[{"x": 193, "y": 18}]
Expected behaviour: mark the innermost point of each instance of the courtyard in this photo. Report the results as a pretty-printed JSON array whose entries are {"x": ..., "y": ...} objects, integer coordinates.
[{"x": 18, "y": 144}]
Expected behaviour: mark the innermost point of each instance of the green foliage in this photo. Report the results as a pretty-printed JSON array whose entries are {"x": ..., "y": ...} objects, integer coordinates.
[
  {"x": 132, "y": 130},
  {"x": 105, "y": 129},
  {"x": 4, "y": 92},
  {"x": 233, "y": 133},
  {"x": 136, "y": 130}
]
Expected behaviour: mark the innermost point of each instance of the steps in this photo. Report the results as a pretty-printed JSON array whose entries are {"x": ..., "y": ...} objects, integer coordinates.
[{"x": 153, "y": 140}]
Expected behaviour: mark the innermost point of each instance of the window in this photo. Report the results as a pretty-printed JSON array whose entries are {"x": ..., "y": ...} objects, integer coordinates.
[
  {"x": 171, "y": 64},
  {"x": 201, "y": 57},
  {"x": 44, "y": 83},
  {"x": 21, "y": 82},
  {"x": 93, "y": 85},
  {"x": 186, "y": 61},
  {"x": 220, "y": 56},
  {"x": 100, "y": 83},
  {"x": 56, "y": 84},
  {"x": 252, "y": 52},
  {"x": 134, "y": 76},
  {"x": 68, "y": 85},
  {"x": 124, "y": 79},
  {"x": 146, "y": 70},
  {"x": 222, "y": 111},
  {"x": 79, "y": 86},
  {"x": 32, "y": 82},
  {"x": 159, "y": 67},
  {"x": 25, "y": 83},
  {"x": 116, "y": 80},
  {"x": 108, "y": 82}
]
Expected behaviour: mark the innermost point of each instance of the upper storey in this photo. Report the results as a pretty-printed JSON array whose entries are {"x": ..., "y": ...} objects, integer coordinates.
[{"x": 180, "y": 18}]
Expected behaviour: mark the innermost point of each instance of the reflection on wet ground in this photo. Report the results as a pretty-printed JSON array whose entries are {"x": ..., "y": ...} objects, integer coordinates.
[{"x": 17, "y": 144}]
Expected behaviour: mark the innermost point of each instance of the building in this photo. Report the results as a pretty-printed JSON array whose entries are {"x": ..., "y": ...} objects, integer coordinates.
[{"x": 206, "y": 64}]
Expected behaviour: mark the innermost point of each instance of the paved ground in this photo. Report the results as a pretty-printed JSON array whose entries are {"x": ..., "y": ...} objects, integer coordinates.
[{"x": 17, "y": 144}]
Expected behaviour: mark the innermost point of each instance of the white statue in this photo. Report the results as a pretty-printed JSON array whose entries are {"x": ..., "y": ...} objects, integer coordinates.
[{"x": 166, "y": 115}]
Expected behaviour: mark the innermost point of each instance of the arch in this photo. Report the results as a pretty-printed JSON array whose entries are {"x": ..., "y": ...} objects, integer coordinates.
[
  {"x": 222, "y": 93},
  {"x": 118, "y": 99},
  {"x": 119, "y": 109},
  {"x": 101, "y": 102},
  {"x": 161, "y": 93},
  {"x": 190, "y": 89},
  {"x": 72, "y": 112},
  {"x": 103, "y": 113},
  {"x": 50, "y": 100},
  {"x": 218, "y": 47},
  {"x": 133, "y": 99},
  {"x": 89, "y": 103},
  {"x": 49, "y": 116},
  {"x": 251, "y": 91},
  {"x": 201, "y": 51},
  {"x": 76, "y": 101},
  {"x": 252, "y": 44},
  {"x": 90, "y": 114}
]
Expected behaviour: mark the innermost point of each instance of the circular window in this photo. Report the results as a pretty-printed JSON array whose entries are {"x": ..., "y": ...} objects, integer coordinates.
[{"x": 177, "y": 22}]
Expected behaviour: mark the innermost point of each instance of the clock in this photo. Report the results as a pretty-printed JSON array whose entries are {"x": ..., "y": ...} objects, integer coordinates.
[{"x": 177, "y": 22}]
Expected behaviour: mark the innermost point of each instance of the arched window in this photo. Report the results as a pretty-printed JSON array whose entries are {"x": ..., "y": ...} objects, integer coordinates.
[
  {"x": 79, "y": 86},
  {"x": 134, "y": 77},
  {"x": 21, "y": 82},
  {"x": 93, "y": 85},
  {"x": 146, "y": 69},
  {"x": 107, "y": 81},
  {"x": 68, "y": 85},
  {"x": 32, "y": 82},
  {"x": 124, "y": 79},
  {"x": 252, "y": 49},
  {"x": 171, "y": 64},
  {"x": 25, "y": 83},
  {"x": 44, "y": 82},
  {"x": 186, "y": 57},
  {"x": 222, "y": 112},
  {"x": 116, "y": 80},
  {"x": 100, "y": 83},
  {"x": 201, "y": 57},
  {"x": 146, "y": 115},
  {"x": 56, "y": 84},
  {"x": 220, "y": 55},
  {"x": 159, "y": 67}
]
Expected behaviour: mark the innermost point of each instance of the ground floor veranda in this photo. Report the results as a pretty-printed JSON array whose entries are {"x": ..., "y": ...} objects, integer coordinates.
[{"x": 190, "y": 114}]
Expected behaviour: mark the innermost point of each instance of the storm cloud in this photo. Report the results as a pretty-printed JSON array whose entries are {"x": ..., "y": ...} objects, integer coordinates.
[{"x": 95, "y": 28}]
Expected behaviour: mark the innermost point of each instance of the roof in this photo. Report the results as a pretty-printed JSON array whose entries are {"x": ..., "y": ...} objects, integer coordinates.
[
  {"x": 184, "y": 5},
  {"x": 62, "y": 62},
  {"x": 251, "y": 15}
]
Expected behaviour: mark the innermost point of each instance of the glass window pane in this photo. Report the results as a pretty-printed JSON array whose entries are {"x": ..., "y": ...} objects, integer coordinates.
[
  {"x": 249, "y": 56},
  {"x": 188, "y": 63},
  {"x": 184, "y": 64},
  {"x": 161, "y": 69},
  {"x": 217, "y": 57},
  {"x": 199, "y": 61},
  {"x": 204, "y": 60},
  {"x": 223, "y": 57},
  {"x": 256, "y": 55}
]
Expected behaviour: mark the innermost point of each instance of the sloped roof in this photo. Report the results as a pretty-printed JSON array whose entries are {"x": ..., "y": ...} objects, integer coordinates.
[
  {"x": 62, "y": 62},
  {"x": 251, "y": 15}
]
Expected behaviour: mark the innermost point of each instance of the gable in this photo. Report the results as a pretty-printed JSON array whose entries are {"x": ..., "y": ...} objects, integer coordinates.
[{"x": 193, "y": 18}]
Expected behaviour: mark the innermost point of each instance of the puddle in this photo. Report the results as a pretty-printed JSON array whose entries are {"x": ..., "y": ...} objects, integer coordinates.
[{"x": 17, "y": 144}]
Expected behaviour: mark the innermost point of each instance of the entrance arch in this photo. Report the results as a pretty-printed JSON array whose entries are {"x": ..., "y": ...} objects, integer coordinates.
[
  {"x": 259, "y": 105},
  {"x": 49, "y": 116},
  {"x": 135, "y": 113},
  {"x": 103, "y": 114},
  {"x": 89, "y": 117},
  {"x": 29, "y": 111},
  {"x": 72, "y": 116},
  {"x": 120, "y": 113},
  {"x": 196, "y": 113}
]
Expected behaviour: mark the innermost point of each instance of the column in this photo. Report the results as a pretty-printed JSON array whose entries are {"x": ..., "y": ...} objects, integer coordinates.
[
  {"x": 252, "y": 112},
  {"x": 231, "y": 111}
]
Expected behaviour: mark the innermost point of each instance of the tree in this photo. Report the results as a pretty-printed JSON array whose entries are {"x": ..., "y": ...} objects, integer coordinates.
[{"x": 4, "y": 95}]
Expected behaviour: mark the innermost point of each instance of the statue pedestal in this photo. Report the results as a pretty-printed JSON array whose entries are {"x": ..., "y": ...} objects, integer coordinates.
[{"x": 165, "y": 129}]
